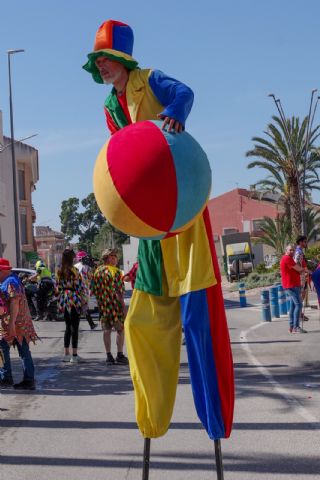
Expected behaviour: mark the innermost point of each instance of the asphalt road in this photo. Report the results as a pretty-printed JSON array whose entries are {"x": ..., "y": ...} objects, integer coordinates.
[{"x": 80, "y": 423}]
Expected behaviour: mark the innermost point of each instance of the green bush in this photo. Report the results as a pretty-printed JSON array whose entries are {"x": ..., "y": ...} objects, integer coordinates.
[
  {"x": 313, "y": 253},
  {"x": 261, "y": 268},
  {"x": 255, "y": 280},
  {"x": 275, "y": 267}
]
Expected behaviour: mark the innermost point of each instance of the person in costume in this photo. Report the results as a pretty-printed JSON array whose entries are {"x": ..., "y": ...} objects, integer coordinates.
[
  {"x": 16, "y": 328},
  {"x": 83, "y": 267},
  {"x": 178, "y": 277},
  {"x": 108, "y": 288},
  {"x": 71, "y": 297}
]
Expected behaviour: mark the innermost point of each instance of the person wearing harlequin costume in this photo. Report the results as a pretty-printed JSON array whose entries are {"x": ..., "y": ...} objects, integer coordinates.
[
  {"x": 83, "y": 266},
  {"x": 71, "y": 298},
  {"x": 108, "y": 288},
  {"x": 178, "y": 278}
]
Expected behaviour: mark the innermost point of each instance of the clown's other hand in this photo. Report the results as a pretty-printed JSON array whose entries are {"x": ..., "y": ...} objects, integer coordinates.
[{"x": 171, "y": 123}]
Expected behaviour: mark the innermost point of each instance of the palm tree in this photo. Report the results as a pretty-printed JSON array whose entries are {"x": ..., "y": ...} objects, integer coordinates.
[
  {"x": 276, "y": 233},
  {"x": 312, "y": 224},
  {"x": 282, "y": 154}
]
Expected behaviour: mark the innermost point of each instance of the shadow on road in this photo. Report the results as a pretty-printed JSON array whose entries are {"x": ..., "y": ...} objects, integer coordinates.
[
  {"x": 176, "y": 460},
  {"x": 101, "y": 425},
  {"x": 234, "y": 304}
]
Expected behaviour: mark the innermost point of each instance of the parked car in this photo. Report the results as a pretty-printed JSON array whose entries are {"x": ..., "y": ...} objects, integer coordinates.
[{"x": 24, "y": 271}]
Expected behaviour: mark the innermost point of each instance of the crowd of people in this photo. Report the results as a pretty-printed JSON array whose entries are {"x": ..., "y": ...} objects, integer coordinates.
[{"x": 76, "y": 280}]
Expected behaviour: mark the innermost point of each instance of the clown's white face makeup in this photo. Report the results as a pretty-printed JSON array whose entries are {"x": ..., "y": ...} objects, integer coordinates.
[{"x": 110, "y": 71}]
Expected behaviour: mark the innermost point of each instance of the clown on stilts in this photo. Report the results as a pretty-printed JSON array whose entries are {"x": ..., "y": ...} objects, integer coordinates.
[{"x": 178, "y": 280}]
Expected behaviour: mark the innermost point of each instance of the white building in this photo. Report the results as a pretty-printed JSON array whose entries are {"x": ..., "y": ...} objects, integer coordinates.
[
  {"x": 130, "y": 256},
  {"x": 27, "y": 177}
]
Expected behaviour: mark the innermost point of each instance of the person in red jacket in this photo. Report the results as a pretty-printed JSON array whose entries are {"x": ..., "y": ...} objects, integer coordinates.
[{"x": 291, "y": 282}]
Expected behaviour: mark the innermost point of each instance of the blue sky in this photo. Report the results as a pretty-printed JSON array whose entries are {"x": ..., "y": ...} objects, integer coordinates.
[{"x": 231, "y": 53}]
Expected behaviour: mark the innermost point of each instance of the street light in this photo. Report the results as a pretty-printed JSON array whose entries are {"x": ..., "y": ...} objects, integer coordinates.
[{"x": 14, "y": 169}]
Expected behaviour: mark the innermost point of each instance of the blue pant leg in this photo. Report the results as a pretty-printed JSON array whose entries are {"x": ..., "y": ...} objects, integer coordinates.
[
  {"x": 5, "y": 372},
  {"x": 203, "y": 374},
  {"x": 26, "y": 358},
  {"x": 291, "y": 307},
  {"x": 295, "y": 306},
  {"x": 298, "y": 307}
]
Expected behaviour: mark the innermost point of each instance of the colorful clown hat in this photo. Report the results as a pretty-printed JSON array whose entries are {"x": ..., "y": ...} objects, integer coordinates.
[{"x": 113, "y": 40}]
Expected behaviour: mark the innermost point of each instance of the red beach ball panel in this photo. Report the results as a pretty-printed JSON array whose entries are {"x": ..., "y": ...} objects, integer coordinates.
[{"x": 142, "y": 168}]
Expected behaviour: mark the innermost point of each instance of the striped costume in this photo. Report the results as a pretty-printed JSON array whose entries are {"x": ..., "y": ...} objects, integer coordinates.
[{"x": 178, "y": 278}]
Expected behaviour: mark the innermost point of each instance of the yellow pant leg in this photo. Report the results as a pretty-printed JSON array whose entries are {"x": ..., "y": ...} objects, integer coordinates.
[{"x": 153, "y": 339}]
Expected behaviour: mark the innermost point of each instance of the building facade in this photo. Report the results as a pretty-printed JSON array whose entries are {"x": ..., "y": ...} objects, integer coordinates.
[
  {"x": 242, "y": 210},
  {"x": 50, "y": 245},
  {"x": 27, "y": 176}
]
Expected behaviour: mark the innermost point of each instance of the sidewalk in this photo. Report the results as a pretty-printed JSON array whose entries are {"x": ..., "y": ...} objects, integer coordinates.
[{"x": 80, "y": 423}]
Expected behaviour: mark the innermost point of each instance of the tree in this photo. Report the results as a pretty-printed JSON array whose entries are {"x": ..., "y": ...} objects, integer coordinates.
[
  {"x": 93, "y": 231},
  {"x": 90, "y": 222},
  {"x": 108, "y": 236},
  {"x": 312, "y": 224},
  {"x": 276, "y": 233},
  {"x": 69, "y": 218},
  {"x": 282, "y": 154}
]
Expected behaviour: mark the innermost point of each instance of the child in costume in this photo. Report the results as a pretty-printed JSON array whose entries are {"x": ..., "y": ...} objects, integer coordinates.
[{"x": 178, "y": 277}]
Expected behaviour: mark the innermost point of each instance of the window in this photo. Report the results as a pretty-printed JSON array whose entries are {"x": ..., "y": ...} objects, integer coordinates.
[
  {"x": 24, "y": 229},
  {"x": 22, "y": 185},
  {"x": 256, "y": 224}
]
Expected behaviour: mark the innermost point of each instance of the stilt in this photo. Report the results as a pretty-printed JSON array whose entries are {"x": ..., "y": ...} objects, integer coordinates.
[
  {"x": 146, "y": 459},
  {"x": 218, "y": 455}
]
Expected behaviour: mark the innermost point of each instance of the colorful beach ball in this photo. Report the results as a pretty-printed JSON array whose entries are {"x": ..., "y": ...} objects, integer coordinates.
[{"x": 149, "y": 183}]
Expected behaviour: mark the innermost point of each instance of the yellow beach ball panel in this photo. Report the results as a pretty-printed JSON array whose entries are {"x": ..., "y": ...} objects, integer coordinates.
[{"x": 112, "y": 205}]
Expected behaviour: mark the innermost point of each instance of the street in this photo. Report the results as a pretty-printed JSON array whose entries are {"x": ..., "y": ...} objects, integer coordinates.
[{"x": 80, "y": 422}]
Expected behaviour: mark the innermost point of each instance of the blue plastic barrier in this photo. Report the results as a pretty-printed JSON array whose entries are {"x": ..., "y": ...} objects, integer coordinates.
[
  {"x": 265, "y": 302},
  {"x": 282, "y": 300},
  {"x": 242, "y": 295},
  {"x": 274, "y": 302}
]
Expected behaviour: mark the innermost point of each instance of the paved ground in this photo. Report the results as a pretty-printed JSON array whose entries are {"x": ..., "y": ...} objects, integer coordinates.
[{"x": 80, "y": 423}]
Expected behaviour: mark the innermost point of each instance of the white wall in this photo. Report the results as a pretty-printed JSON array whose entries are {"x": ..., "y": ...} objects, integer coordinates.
[
  {"x": 130, "y": 254},
  {"x": 6, "y": 198}
]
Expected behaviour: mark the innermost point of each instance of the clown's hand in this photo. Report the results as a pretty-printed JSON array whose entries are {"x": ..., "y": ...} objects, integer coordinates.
[{"x": 171, "y": 123}]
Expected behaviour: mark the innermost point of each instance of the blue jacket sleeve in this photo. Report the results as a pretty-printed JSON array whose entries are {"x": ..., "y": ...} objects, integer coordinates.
[{"x": 175, "y": 96}]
